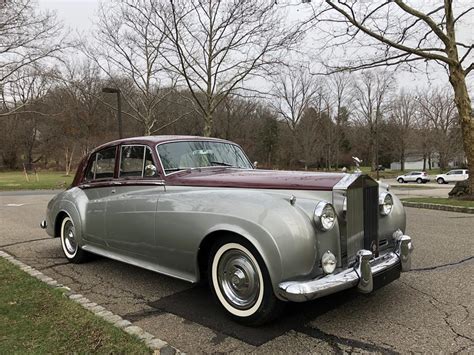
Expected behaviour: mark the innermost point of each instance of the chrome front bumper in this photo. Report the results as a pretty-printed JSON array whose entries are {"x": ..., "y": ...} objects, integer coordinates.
[{"x": 361, "y": 275}]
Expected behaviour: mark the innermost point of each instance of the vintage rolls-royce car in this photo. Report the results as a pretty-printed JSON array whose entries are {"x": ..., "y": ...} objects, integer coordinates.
[{"x": 195, "y": 208}]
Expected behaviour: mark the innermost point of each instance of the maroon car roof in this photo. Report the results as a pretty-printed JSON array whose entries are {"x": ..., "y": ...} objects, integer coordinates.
[{"x": 152, "y": 140}]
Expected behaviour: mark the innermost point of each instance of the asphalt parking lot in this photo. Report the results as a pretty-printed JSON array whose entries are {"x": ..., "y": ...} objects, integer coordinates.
[{"x": 429, "y": 309}]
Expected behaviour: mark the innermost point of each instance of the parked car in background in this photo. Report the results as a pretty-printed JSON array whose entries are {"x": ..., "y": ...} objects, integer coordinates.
[
  {"x": 452, "y": 176},
  {"x": 196, "y": 208},
  {"x": 414, "y": 176}
]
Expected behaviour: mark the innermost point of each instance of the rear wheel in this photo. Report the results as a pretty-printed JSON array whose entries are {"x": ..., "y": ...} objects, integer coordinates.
[
  {"x": 440, "y": 181},
  {"x": 419, "y": 181},
  {"x": 69, "y": 242},
  {"x": 400, "y": 180},
  {"x": 241, "y": 283}
]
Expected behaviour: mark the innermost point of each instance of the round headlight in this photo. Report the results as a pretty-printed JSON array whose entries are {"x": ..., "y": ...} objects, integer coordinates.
[
  {"x": 386, "y": 203},
  {"x": 324, "y": 216}
]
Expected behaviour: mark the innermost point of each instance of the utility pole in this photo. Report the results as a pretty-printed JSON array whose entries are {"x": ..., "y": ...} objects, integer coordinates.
[{"x": 119, "y": 107}]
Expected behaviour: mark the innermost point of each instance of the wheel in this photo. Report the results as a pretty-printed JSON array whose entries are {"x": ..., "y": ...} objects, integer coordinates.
[
  {"x": 440, "y": 181},
  {"x": 400, "y": 180},
  {"x": 419, "y": 181},
  {"x": 241, "y": 283},
  {"x": 71, "y": 248}
]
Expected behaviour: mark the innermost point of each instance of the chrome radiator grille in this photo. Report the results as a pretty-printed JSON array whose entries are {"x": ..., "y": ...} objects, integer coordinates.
[{"x": 361, "y": 219}]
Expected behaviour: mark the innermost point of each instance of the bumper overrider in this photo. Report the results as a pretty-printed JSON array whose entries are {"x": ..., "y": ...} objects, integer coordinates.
[{"x": 361, "y": 275}]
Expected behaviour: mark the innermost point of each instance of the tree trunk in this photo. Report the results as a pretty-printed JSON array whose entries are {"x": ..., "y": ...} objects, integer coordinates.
[
  {"x": 402, "y": 160},
  {"x": 463, "y": 104},
  {"x": 208, "y": 125}
]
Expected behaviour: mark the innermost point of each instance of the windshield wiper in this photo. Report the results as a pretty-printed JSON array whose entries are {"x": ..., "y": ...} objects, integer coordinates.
[
  {"x": 173, "y": 169},
  {"x": 222, "y": 164}
]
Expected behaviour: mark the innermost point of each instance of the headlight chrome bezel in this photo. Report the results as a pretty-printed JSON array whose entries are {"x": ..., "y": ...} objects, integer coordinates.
[
  {"x": 386, "y": 203},
  {"x": 324, "y": 216}
]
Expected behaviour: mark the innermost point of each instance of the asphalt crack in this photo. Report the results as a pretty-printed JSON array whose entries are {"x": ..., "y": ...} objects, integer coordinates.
[
  {"x": 433, "y": 300},
  {"x": 23, "y": 242},
  {"x": 334, "y": 341},
  {"x": 429, "y": 268}
]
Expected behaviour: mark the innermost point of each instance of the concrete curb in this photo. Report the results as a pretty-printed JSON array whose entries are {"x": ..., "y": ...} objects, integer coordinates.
[
  {"x": 158, "y": 346},
  {"x": 433, "y": 206}
]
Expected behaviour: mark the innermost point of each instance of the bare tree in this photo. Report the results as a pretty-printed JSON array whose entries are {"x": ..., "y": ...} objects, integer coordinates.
[
  {"x": 294, "y": 92},
  {"x": 128, "y": 50},
  {"x": 26, "y": 90},
  {"x": 438, "y": 110},
  {"x": 216, "y": 45},
  {"x": 341, "y": 88},
  {"x": 371, "y": 94},
  {"x": 393, "y": 33},
  {"x": 404, "y": 112},
  {"x": 27, "y": 36}
]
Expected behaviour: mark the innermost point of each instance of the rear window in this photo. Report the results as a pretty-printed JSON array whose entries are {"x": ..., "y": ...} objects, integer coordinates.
[{"x": 101, "y": 165}]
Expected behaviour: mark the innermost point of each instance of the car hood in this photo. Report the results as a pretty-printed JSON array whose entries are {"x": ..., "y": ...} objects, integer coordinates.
[{"x": 258, "y": 179}]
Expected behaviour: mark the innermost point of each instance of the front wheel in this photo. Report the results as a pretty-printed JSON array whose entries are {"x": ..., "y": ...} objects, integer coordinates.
[
  {"x": 400, "y": 181},
  {"x": 69, "y": 243},
  {"x": 241, "y": 283},
  {"x": 440, "y": 181}
]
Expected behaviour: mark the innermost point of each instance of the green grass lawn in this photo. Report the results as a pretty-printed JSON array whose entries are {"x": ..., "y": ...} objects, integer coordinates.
[
  {"x": 35, "y": 318},
  {"x": 441, "y": 201},
  {"x": 16, "y": 180}
]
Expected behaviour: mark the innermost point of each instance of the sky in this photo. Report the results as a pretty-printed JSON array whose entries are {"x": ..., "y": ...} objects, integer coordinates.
[{"x": 79, "y": 16}]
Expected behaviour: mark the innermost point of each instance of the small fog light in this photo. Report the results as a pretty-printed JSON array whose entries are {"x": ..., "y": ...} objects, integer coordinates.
[{"x": 328, "y": 262}]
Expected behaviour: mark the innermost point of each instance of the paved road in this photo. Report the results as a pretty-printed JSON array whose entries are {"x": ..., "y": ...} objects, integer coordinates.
[{"x": 428, "y": 310}]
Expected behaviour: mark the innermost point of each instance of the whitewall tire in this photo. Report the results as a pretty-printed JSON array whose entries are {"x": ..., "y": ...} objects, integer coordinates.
[
  {"x": 69, "y": 241},
  {"x": 240, "y": 282}
]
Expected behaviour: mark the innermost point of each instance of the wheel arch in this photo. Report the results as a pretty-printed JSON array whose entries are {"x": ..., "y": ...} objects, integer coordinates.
[
  {"x": 58, "y": 221},
  {"x": 271, "y": 258}
]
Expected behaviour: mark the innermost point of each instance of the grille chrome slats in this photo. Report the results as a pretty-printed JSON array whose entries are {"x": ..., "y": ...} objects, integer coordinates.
[{"x": 359, "y": 227}]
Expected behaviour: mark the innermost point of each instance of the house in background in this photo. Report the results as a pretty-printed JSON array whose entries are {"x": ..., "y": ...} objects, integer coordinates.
[{"x": 416, "y": 161}]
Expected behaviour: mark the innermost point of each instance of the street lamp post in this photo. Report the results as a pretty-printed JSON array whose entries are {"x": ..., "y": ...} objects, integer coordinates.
[{"x": 119, "y": 107}]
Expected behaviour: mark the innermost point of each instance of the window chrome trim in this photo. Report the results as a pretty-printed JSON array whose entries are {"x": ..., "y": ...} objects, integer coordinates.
[
  {"x": 94, "y": 179},
  {"x": 198, "y": 140},
  {"x": 143, "y": 160}
]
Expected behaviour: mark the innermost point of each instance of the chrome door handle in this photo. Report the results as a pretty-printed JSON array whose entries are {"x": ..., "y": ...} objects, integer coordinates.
[{"x": 113, "y": 191}]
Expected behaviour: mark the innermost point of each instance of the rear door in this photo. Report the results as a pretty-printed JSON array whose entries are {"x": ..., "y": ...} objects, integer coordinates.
[
  {"x": 458, "y": 175},
  {"x": 413, "y": 176},
  {"x": 131, "y": 209},
  {"x": 97, "y": 186}
]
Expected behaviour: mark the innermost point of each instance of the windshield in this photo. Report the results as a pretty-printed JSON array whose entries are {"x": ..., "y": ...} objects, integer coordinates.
[{"x": 177, "y": 156}]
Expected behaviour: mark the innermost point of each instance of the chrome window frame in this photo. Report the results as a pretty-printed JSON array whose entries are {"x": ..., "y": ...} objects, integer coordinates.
[
  {"x": 94, "y": 179},
  {"x": 143, "y": 165}
]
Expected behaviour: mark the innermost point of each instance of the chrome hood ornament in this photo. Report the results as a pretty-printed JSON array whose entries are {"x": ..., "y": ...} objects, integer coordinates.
[{"x": 357, "y": 162}]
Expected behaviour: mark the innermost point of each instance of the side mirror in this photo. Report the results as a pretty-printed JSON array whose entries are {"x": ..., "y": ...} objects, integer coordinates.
[
  {"x": 255, "y": 164},
  {"x": 150, "y": 170}
]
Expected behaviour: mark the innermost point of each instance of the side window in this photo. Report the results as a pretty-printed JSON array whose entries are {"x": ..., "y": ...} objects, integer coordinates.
[
  {"x": 101, "y": 165},
  {"x": 105, "y": 163},
  {"x": 131, "y": 161},
  {"x": 136, "y": 161},
  {"x": 458, "y": 172}
]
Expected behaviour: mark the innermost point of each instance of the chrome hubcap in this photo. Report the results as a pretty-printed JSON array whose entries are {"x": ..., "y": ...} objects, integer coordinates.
[
  {"x": 238, "y": 279},
  {"x": 69, "y": 238}
]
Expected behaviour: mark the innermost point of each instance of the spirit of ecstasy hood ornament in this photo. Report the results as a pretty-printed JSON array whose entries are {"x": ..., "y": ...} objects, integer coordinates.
[{"x": 357, "y": 162}]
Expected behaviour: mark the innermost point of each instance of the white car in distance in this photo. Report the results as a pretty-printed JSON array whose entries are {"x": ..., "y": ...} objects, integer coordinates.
[
  {"x": 452, "y": 176},
  {"x": 414, "y": 176}
]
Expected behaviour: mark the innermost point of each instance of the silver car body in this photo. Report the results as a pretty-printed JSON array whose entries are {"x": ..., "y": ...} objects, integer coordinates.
[{"x": 165, "y": 228}]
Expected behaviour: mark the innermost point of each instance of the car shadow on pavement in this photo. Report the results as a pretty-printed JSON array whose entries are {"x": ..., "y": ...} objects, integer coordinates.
[{"x": 197, "y": 305}]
